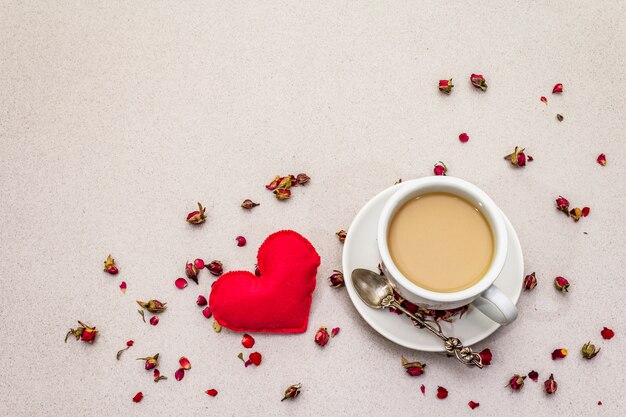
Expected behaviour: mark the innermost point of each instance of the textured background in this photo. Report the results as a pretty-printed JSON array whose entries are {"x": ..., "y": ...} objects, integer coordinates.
[{"x": 116, "y": 117}]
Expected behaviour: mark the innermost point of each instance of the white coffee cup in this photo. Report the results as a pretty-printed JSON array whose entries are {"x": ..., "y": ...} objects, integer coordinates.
[{"x": 483, "y": 295}]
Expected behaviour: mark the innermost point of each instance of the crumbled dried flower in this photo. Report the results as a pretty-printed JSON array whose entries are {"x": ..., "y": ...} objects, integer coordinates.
[
  {"x": 180, "y": 283},
  {"x": 473, "y": 404},
  {"x": 530, "y": 282},
  {"x": 153, "y": 306},
  {"x": 607, "y": 333},
  {"x": 151, "y": 361},
  {"x": 561, "y": 284},
  {"x": 154, "y": 320},
  {"x": 534, "y": 375},
  {"x": 274, "y": 183},
  {"x": 518, "y": 157},
  {"x": 198, "y": 263},
  {"x": 157, "y": 375},
  {"x": 559, "y": 354},
  {"x": 292, "y": 392},
  {"x": 247, "y": 341},
  {"x": 341, "y": 235},
  {"x": 83, "y": 332},
  {"x": 282, "y": 193},
  {"x": 485, "y": 357},
  {"x": 516, "y": 382},
  {"x": 184, "y": 363},
  {"x": 601, "y": 159},
  {"x": 585, "y": 211},
  {"x": 179, "y": 374},
  {"x": 322, "y": 336},
  {"x": 463, "y": 137},
  {"x": 589, "y": 351},
  {"x": 197, "y": 217},
  {"x": 558, "y": 88},
  {"x": 207, "y": 312},
  {"x": 336, "y": 279},
  {"x": 442, "y": 393},
  {"x": 334, "y": 332},
  {"x": 302, "y": 178},
  {"x": 413, "y": 368},
  {"x": 215, "y": 268},
  {"x": 559, "y": 117},
  {"x": 478, "y": 81},
  {"x": 440, "y": 169},
  {"x": 217, "y": 327},
  {"x": 445, "y": 86},
  {"x": 142, "y": 314},
  {"x": 562, "y": 204},
  {"x": 191, "y": 271},
  {"x": 550, "y": 385},
  {"x": 249, "y": 204},
  {"x": 138, "y": 397},
  {"x": 109, "y": 266},
  {"x": 255, "y": 359},
  {"x": 575, "y": 213},
  {"x": 241, "y": 241},
  {"x": 201, "y": 301},
  {"x": 123, "y": 287},
  {"x": 544, "y": 100},
  {"x": 423, "y": 389},
  {"x": 211, "y": 392}
]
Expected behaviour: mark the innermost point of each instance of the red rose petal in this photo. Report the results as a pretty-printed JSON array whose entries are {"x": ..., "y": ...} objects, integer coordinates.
[
  {"x": 423, "y": 389},
  {"x": 334, "y": 332},
  {"x": 201, "y": 301},
  {"x": 559, "y": 354},
  {"x": 154, "y": 320},
  {"x": 123, "y": 287},
  {"x": 241, "y": 241},
  {"x": 485, "y": 357},
  {"x": 599, "y": 402},
  {"x": 585, "y": 211},
  {"x": 180, "y": 283},
  {"x": 472, "y": 404},
  {"x": 180, "y": 374},
  {"x": 138, "y": 397},
  {"x": 534, "y": 375},
  {"x": 247, "y": 341},
  {"x": 607, "y": 333},
  {"x": 544, "y": 100},
  {"x": 442, "y": 393},
  {"x": 130, "y": 343},
  {"x": 463, "y": 137},
  {"x": 255, "y": 358},
  {"x": 184, "y": 363},
  {"x": 198, "y": 263},
  {"x": 211, "y": 392},
  {"x": 558, "y": 88},
  {"x": 207, "y": 312}
]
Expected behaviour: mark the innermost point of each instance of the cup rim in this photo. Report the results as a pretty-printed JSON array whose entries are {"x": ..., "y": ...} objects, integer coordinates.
[{"x": 482, "y": 201}]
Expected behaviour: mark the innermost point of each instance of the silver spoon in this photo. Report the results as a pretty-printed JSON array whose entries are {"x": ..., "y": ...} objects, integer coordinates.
[{"x": 377, "y": 292}]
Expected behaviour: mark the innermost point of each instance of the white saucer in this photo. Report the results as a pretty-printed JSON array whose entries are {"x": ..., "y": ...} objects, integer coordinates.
[{"x": 360, "y": 251}]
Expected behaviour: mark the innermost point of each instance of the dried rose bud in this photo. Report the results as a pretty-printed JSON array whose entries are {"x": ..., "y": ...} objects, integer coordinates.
[
  {"x": 241, "y": 241},
  {"x": 442, "y": 393},
  {"x": 445, "y": 86},
  {"x": 154, "y": 320},
  {"x": 518, "y": 157},
  {"x": 601, "y": 159},
  {"x": 322, "y": 336},
  {"x": 201, "y": 301},
  {"x": 413, "y": 368},
  {"x": 197, "y": 217},
  {"x": 130, "y": 343},
  {"x": 558, "y": 88},
  {"x": 341, "y": 235},
  {"x": 463, "y": 137},
  {"x": 336, "y": 279},
  {"x": 589, "y": 351},
  {"x": 215, "y": 268},
  {"x": 334, "y": 332},
  {"x": 216, "y": 326},
  {"x": 292, "y": 392},
  {"x": 585, "y": 211},
  {"x": 83, "y": 333},
  {"x": 109, "y": 266},
  {"x": 561, "y": 284},
  {"x": 249, "y": 204},
  {"x": 485, "y": 357},
  {"x": 473, "y": 404},
  {"x": 247, "y": 341},
  {"x": 180, "y": 283},
  {"x": 198, "y": 263},
  {"x": 607, "y": 333},
  {"x": 559, "y": 354},
  {"x": 534, "y": 375},
  {"x": 478, "y": 81},
  {"x": 153, "y": 306},
  {"x": 255, "y": 359},
  {"x": 562, "y": 204},
  {"x": 282, "y": 193},
  {"x": 207, "y": 313},
  {"x": 440, "y": 169},
  {"x": 274, "y": 183},
  {"x": 530, "y": 282},
  {"x": 516, "y": 382},
  {"x": 302, "y": 179},
  {"x": 123, "y": 287},
  {"x": 559, "y": 117},
  {"x": 211, "y": 392},
  {"x": 550, "y": 385},
  {"x": 191, "y": 271},
  {"x": 184, "y": 363},
  {"x": 151, "y": 361},
  {"x": 544, "y": 100},
  {"x": 179, "y": 374},
  {"x": 138, "y": 397},
  {"x": 157, "y": 375}
]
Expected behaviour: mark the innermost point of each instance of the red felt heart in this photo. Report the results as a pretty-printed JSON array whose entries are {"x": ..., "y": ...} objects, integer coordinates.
[{"x": 279, "y": 300}]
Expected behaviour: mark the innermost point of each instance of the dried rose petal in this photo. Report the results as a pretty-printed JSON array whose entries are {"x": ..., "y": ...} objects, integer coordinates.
[
  {"x": 241, "y": 241},
  {"x": 302, "y": 179},
  {"x": 334, "y": 332},
  {"x": 559, "y": 117},
  {"x": 123, "y": 287},
  {"x": 413, "y": 368},
  {"x": 463, "y": 137},
  {"x": 575, "y": 213},
  {"x": 341, "y": 235},
  {"x": 197, "y": 217},
  {"x": 607, "y": 333},
  {"x": 109, "y": 266},
  {"x": 254, "y": 359},
  {"x": 201, "y": 301},
  {"x": 83, "y": 333},
  {"x": 151, "y": 362},
  {"x": 336, "y": 279},
  {"x": 184, "y": 363},
  {"x": 601, "y": 159},
  {"x": 292, "y": 392},
  {"x": 562, "y": 204},
  {"x": 440, "y": 169},
  {"x": 130, "y": 343},
  {"x": 534, "y": 375},
  {"x": 282, "y": 193},
  {"x": 198, "y": 263},
  {"x": 157, "y": 375},
  {"x": 442, "y": 393},
  {"x": 516, "y": 382},
  {"x": 206, "y": 312},
  {"x": 215, "y": 268},
  {"x": 274, "y": 183},
  {"x": 550, "y": 385},
  {"x": 544, "y": 100},
  {"x": 530, "y": 282},
  {"x": 154, "y": 320},
  {"x": 179, "y": 374},
  {"x": 585, "y": 211},
  {"x": 211, "y": 392},
  {"x": 561, "y": 284},
  {"x": 153, "y": 306},
  {"x": 445, "y": 86},
  {"x": 247, "y": 341},
  {"x": 478, "y": 81},
  {"x": 180, "y": 283},
  {"x": 473, "y": 404},
  {"x": 322, "y": 336},
  {"x": 249, "y": 204},
  {"x": 559, "y": 354},
  {"x": 485, "y": 357},
  {"x": 558, "y": 88},
  {"x": 589, "y": 351},
  {"x": 138, "y": 397},
  {"x": 423, "y": 389}
]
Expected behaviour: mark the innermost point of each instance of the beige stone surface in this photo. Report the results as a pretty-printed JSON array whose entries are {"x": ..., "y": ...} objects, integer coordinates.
[{"x": 117, "y": 116}]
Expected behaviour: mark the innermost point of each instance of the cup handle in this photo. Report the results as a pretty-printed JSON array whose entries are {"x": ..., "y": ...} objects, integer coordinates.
[{"x": 495, "y": 305}]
